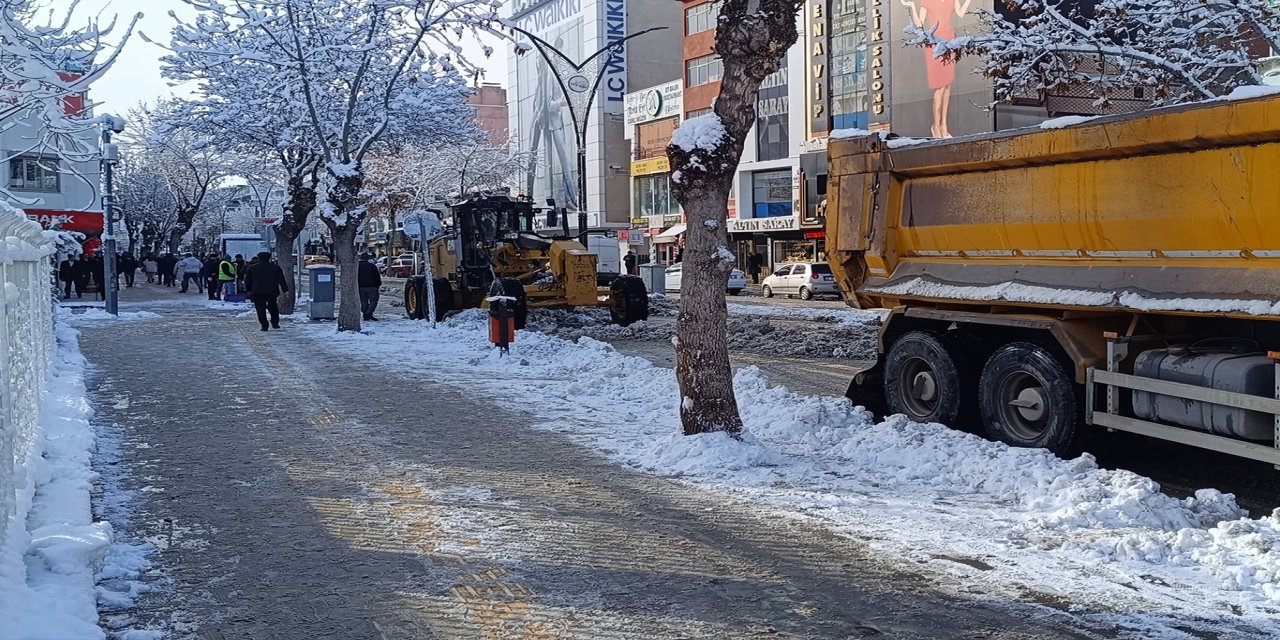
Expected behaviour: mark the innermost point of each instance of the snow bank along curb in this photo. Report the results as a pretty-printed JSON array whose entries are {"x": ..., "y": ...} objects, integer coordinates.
[
  {"x": 1107, "y": 541},
  {"x": 47, "y": 565}
]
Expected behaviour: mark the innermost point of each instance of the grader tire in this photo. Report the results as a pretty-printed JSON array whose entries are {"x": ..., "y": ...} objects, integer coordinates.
[
  {"x": 628, "y": 300},
  {"x": 414, "y": 304}
]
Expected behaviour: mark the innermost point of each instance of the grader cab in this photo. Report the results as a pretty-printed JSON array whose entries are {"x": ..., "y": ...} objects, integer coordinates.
[{"x": 490, "y": 248}]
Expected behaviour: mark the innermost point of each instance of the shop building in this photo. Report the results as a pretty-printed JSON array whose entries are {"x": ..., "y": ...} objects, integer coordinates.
[
  {"x": 657, "y": 222},
  {"x": 540, "y": 120}
]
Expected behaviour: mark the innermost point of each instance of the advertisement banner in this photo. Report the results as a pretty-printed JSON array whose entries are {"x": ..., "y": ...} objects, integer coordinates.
[
  {"x": 931, "y": 97},
  {"x": 545, "y": 129}
]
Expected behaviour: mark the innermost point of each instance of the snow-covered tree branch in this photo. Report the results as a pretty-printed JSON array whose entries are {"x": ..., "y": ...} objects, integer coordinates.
[
  {"x": 358, "y": 73},
  {"x": 46, "y": 69},
  {"x": 1176, "y": 50}
]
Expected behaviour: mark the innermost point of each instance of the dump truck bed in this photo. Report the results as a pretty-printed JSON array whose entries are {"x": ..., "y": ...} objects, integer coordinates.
[{"x": 1174, "y": 210}]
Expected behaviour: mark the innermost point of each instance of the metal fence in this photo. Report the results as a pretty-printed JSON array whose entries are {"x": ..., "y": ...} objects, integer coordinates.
[{"x": 26, "y": 355}]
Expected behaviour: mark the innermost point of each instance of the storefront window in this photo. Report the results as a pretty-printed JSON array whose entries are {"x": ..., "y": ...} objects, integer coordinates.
[
  {"x": 653, "y": 197},
  {"x": 785, "y": 251},
  {"x": 771, "y": 193}
]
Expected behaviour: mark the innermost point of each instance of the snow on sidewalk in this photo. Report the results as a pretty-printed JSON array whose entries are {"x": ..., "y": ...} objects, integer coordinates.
[
  {"x": 1004, "y": 522},
  {"x": 48, "y": 562}
]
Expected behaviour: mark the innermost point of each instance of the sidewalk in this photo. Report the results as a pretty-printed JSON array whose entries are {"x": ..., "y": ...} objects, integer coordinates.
[{"x": 297, "y": 494}]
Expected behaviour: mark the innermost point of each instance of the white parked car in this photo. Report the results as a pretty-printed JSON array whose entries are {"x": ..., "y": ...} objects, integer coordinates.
[
  {"x": 737, "y": 279},
  {"x": 805, "y": 279}
]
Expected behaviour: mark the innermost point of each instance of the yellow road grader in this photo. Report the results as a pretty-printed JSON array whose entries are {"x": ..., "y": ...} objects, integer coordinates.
[{"x": 490, "y": 248}]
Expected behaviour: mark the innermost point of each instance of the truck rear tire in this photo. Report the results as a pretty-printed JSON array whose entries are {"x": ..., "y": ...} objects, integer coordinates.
[
  {"x": 921, "y": 379},
  {"x": 1028, "y": 399},
  {"x": 628, "y": 300},
  {"x": 414, "y": 303}
]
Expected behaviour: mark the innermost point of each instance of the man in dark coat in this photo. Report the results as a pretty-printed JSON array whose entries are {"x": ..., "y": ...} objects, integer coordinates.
[
  {"x": 98, "y": 267},
  {"x": 755, "y": 262},
  {"x": 72, "y": 272},
  {"x": 210, "y": 273},
  {"x": 168, "y": 262},
  {"x": 264, "y": 282},
  {"x": 128, "y": 266},
  {"x": 370, "y": 282},
  {"x": 630, "y": 261}
]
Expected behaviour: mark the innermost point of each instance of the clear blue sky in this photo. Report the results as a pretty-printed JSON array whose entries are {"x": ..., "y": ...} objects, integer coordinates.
[{"x": 136, "y": 75}]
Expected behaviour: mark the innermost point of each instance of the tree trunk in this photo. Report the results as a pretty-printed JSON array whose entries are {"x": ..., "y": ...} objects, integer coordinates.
[
  {"x": 752, "y": 36},
  {"x": 342, "y": 196},
  {"x": 707, "y": 400},
  {"x": 344, "y": 247},
  {"x": 301, "y": 202},
  {"x": 285, "y": 260},
  {"x": 186, "y": 216}
]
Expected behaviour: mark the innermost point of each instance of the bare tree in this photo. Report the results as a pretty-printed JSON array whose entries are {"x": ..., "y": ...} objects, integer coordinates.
[{"x": 752, "y": 36}]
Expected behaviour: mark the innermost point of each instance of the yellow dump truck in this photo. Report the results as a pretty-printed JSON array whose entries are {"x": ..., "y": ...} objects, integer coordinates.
[{"x": 1120, "y": 273}]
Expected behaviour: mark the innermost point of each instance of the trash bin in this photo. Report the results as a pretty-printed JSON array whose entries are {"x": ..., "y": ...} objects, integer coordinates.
[
  {"x": 654, "y": 276},
  {"x": 322, "y": 291}
]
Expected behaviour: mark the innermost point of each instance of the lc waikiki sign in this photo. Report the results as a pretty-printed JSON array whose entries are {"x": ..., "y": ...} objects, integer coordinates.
[{"x": 614, "y": 28}]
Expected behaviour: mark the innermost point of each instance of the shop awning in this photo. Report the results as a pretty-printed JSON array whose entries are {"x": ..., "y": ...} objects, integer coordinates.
[{"x": 669, "y": 235}]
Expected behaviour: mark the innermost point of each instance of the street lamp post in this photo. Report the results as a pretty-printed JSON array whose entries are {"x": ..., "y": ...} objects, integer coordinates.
[
  {"x": 579, "y": 92},
  {"x": 110, "y": 156}
]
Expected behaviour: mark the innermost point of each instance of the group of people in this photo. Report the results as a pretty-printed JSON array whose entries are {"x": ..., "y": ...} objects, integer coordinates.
[{"x": 78, "y": 273}]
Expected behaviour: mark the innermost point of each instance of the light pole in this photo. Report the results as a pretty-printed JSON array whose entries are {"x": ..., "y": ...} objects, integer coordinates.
[
  {"x": 110, "y": 156},
  {"x": 579, "y": 91}
]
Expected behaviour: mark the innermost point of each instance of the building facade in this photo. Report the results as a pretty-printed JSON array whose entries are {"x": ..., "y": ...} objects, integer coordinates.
[
  {"x": 541, "y": 119},
  {"x": 491, "y": 113},
  {"x": 56, "y": 192}
]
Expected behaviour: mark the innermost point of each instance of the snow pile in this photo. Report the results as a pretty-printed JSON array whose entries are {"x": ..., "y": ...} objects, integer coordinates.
[
  {"x": 98, "y": 314},
  {"x": 1065, "y": 121},
  {"x": 1107, "y": 541},
  {"x": 703, "y": 132},
  {"x": 47, "y": 564},
  {"x": 847, "y": 317},
  {"x": 1019, "y": 292},
  {"x": 1248, "y": 92},
  {"x": 1007, "y": 291}
]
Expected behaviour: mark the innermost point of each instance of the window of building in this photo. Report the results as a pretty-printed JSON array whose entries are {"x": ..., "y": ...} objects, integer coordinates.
[
  {"x": 771, "y": 193},
  {"x": 34, "y": 174},
  {"x": 772, "y": 142},
  {"x": 703, "y": 70},
  {"x": 701, "y": 18},
  {"x": 849, "y": 94},
  {"x": 653, "y": 197},
  {"x": 697, "y": 112}
]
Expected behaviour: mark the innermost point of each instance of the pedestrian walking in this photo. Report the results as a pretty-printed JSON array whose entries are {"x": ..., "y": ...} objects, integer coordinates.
[
  {"x": 128, "y": 268},
  {"x": 168, "y": 263},
  {"x": 210, "y": 271},
  {"x": 630, "y": 261},
  {"x": 71, "y": 273},
  {"x": 227, "y": 277},
  {"x": 190, "y": 267},
  {"x": 151, "y": 267},
  {"x": 370, "y": 283},
  {"x": 98, "y": 267},
  {"x": 265, "y": 282},
  {"x": 755, "y": 263},
  {"x": 241, "y": 271}
]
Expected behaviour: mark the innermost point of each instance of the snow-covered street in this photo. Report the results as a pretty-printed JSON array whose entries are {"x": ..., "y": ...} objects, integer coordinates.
[{"x": 412, "y": 481}]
